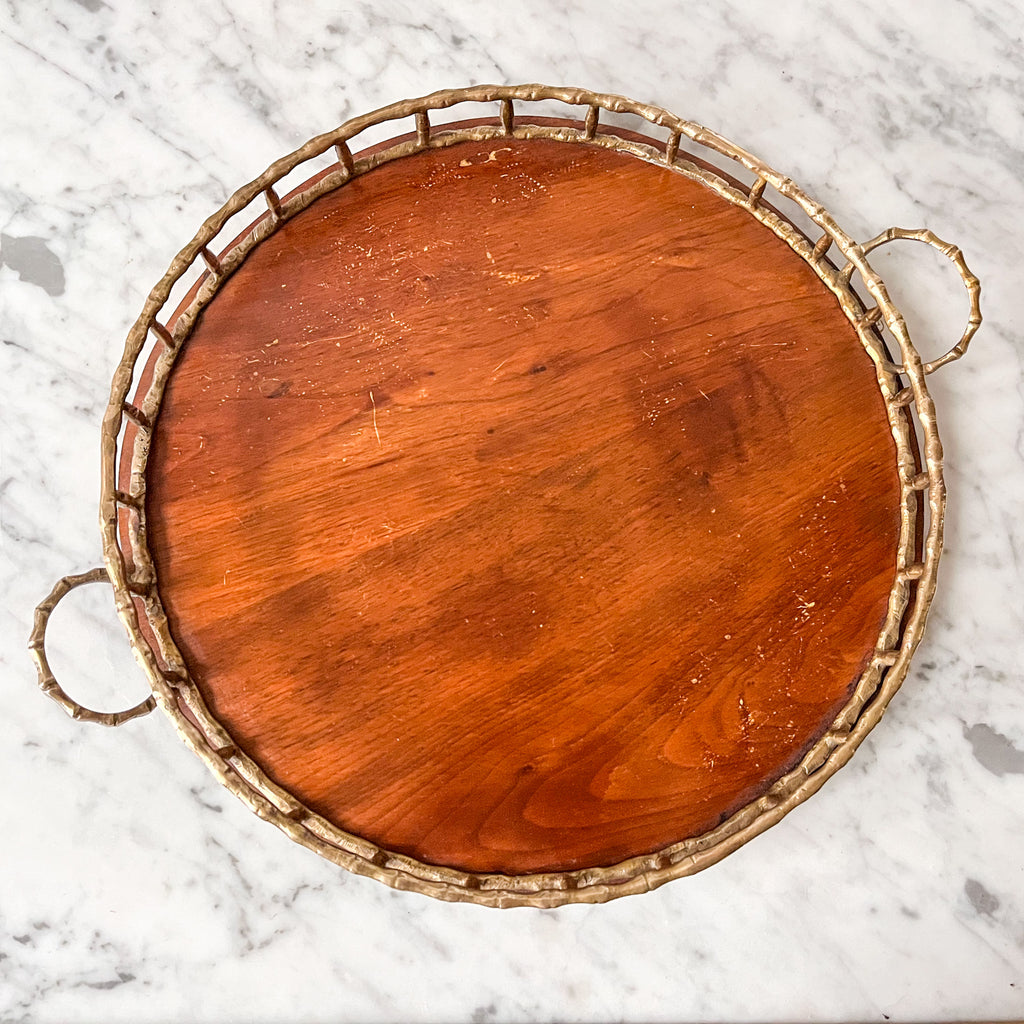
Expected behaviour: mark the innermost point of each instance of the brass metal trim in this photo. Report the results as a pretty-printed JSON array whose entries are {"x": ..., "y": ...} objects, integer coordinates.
[
  {"x": 47, "y": 683},
  {"x": 971, "y": 283}
]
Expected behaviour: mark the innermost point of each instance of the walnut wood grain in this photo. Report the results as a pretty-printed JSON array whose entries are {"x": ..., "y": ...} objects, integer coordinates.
[{"x": 524, "y": 507}]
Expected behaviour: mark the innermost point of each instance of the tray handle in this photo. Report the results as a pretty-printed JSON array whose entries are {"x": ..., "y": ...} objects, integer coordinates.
[
  {"x": 971, "y": 283},
  {"x": 47, "y": 683}
]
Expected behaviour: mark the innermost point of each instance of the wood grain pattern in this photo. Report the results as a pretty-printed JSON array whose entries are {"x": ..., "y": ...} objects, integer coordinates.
[{"x": 524, "y": 507}]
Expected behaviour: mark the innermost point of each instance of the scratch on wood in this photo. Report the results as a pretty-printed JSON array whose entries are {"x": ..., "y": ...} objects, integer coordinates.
[{"x": 373, "y": 406}]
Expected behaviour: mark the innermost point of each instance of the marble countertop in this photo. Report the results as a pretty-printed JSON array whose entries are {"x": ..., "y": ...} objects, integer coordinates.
[{"x": 133, "y": 888}]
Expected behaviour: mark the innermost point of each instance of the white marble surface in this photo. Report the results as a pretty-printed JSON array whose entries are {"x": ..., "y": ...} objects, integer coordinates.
[{"x": 132, "y": 888}]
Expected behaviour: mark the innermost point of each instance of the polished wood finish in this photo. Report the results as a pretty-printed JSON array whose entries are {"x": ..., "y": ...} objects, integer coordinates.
[{"x": 524, "y": 506}]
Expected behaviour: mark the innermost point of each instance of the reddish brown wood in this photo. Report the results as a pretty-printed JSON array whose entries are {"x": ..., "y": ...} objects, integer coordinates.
[{"x": 522, "y": 506}]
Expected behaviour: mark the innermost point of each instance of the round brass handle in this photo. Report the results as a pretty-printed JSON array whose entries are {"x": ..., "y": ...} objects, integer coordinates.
[
  {"x": 971, "y": 283},
  {"x": 47, "y": 683}
]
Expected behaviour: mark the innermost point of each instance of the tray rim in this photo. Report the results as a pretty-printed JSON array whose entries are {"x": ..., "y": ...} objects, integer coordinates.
[{"x": 128, "y": 427}]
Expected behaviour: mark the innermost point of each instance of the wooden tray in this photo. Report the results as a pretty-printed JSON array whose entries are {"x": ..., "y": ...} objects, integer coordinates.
[{"x": 524, "y": 509}]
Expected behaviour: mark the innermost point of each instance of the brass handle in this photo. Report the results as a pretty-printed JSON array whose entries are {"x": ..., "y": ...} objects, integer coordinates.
[
  {"x": 971, "y": 283},
  {"x": 47, "y": 683}
]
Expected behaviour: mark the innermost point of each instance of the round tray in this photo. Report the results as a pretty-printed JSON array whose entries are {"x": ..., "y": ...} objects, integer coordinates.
[{"x": 522, "y": 510}]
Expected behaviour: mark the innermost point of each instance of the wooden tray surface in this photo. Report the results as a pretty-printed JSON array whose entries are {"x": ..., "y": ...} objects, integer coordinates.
[{"x": 524, "y": 506}]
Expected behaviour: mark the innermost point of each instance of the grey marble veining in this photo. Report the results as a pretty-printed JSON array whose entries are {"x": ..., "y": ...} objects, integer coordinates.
[{"x": 133, "y": 888}]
